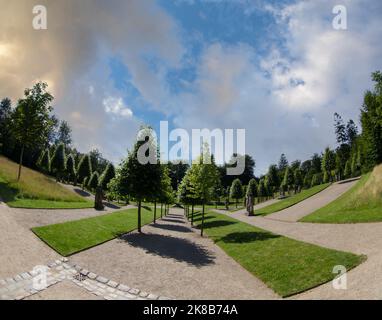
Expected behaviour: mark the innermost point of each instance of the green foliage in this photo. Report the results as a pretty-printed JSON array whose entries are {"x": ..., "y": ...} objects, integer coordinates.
[
  {"x": 288, "y": 180},
  {"x": 84, "y": 168},
  {"x": 64, "y": 134},
  {"x": 236, "y": 191},
  {"x": 142, "y": 181},
  {"x": 252, "y": 188},
  {"x": 58, "y": 162},
  {"x": 93, "y": 181},
  {"x": 328, "y": 164},
  {"x": 44, "y": 161},
  {"x": 261, "y": 190},
  {"x": 371, "y": 120},
  {"x": 107, "y": 176},
  {"x": 298, "y": 181},
  {"x": 31, "y": 121},
  {"x": 71, "y": 168},
  {"x": 316, "y": 179}
]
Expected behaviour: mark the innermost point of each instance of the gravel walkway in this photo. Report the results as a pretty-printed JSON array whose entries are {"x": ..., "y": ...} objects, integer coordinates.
[
  {"x": 29, "y": 218},
  {"x": 20, "y": 249},
  {"x": 172, "y": 260},
  {"x": 313, "y": 203}
]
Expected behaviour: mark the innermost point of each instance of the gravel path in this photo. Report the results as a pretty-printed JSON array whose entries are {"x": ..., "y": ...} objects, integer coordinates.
[
  {"x": 29, "y": 218},
  {"x": 303, "y": 208},
  {"x": 172, "y": 260},
  {"x": 20, "y": 249}
]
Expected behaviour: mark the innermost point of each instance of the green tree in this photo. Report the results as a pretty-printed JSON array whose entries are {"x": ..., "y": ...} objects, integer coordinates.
[
  {"x": 64, "y": 134},
  {"x": 142, "y": 173},
  {"x": 236, "y": 191},
  {"x": 84, "y": 168},
  {"x": 71, "y": 169},
  {"x": 107, "y": 175},
  {"x": 206, "y": 178},
  {"x": 58, "y": 162},
  {"x": 328, "y": 165},
  {"x": 93, "y": 181},
  {"x": 273, "y": 178},
  {"x": 347, "y": 171},
  {"x": 371, "y": 120},
  {"x": 298, "y": 181},
  {"x": 31, "y": 121},
  {"x": 44, "y": 161},
  {"x": 166, "y": 195},
  {"x": 252, "y": 189},
  {"x": 288, "y": 180},
  {"x": 261, "y": 190}
]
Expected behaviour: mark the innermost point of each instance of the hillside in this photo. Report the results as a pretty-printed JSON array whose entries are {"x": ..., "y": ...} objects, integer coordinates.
[
  {"x": 34, "y": 190},
  {"x": 362, "y": 203}
]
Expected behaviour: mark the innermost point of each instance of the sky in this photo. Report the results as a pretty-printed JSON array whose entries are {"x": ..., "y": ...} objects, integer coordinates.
[{"x": 275, "y": 68}]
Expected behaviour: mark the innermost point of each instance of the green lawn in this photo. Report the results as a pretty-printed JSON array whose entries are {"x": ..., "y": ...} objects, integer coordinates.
[
  {"x": 362, "y": 203},
  {"x": 290, "y": 201},
  {"x": 74, "y": 236},
  {"x": 285, "y": 265},
  {"x": 35, "y": 190}
]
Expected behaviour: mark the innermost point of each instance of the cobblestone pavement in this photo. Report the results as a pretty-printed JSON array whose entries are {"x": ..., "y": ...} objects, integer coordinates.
[{"x": 27, "y": 284}]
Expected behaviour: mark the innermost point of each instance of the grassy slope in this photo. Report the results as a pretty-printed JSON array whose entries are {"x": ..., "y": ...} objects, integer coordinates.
[
  {"x": 74, "y": 236},
  {"x": 35, "y": 190},
  {"x": 362, "y": 203},
  {"x": 285, "y": 265},
  {"x": 290, "y": 201}
]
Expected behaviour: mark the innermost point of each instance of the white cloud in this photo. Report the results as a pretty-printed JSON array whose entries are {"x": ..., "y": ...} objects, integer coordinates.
[{"x": 116, "y": 107}]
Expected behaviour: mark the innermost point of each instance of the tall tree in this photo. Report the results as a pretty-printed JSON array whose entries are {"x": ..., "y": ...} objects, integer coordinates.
[
  {"x": 31, "y": 121},
  {"x": 44, "y": 161},
  {"x": 58, "y": 162},
  {"x": 340, "y": 129},
  {"x": 236, "y": 191},
  {"x": 71, "y": 169},
  {"x": 107, "y": 175},
  {"x": 64, "y": 134},
  {"x": 328, "y": 165},
  {"x": 142, "y": 179},
  {"x": 93, "y": 181},
  {"x": 288, "y": 180},
  {"x": 273, "y": 178},
  {"x": 371, "y": 120},
  {"x": 84, "y": 168}
]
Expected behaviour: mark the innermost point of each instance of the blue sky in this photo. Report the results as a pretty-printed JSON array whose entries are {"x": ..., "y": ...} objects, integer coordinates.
[{"x": 275, "y": 68}]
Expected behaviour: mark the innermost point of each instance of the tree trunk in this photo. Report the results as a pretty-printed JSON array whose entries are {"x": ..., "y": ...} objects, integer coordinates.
[
  {"x": 98, "y": 205},
  {"x": 192, "y": 214},
  {"x": 161, "y": 210},
  {"x": 20, "y": 163},
  {"x": 236, "y": 203},
  {"x": 139, "y": 216},
  {"x": 155, "y": 211},
  {"x": 201, "y": 232}
]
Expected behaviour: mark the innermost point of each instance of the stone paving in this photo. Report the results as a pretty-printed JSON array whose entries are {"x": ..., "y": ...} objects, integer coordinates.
[{"x": 26, "y": 284}]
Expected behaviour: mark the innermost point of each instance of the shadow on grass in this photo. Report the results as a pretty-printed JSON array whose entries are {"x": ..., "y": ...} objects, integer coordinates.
[
  {"x": 171, "y": 227},
  {"x": 168, "y": 247},
  {"x": 217, "y": 223},
  {"x": 246, "y": 237},
  {"x": 82, "y": 193},
  {"x": 111, "y": 205},
  {"x": 148, "y": 208},
  {"x": 7, "y": 193}
]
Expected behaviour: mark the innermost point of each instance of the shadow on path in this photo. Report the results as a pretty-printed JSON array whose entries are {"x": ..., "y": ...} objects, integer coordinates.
[
  {"x": 181, "y": 250},
  {"x": 171, "y": 227},
  {"x": 172, "y": 220}
]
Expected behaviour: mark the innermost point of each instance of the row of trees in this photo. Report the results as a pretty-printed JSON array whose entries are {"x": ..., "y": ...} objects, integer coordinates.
[{"x": 30, "y": 128}]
